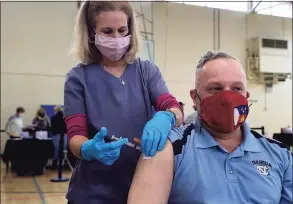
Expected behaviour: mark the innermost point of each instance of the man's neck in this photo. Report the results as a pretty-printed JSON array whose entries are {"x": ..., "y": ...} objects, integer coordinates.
[{"x": 229, "y": 141}]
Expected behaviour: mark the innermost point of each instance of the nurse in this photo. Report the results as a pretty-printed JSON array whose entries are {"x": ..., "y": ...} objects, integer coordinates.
[{"x": 111, "y": 92}]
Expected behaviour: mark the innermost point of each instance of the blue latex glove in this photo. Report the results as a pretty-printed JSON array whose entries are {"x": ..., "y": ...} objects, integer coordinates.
[
  {"x": 98, "y": 149},
  {"x": 155, "y": 132}
]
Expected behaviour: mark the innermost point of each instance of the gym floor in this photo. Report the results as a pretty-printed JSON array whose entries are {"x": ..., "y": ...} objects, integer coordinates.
[{"x": 32, "y": 189}]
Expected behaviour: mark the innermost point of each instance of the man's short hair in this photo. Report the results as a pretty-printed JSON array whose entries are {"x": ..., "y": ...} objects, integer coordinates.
[
  {"x": 212, "y": 55},
  {"x": 20, "y": 110}
]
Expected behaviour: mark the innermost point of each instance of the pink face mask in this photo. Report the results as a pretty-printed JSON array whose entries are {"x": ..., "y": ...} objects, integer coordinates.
[{"x": 112, "y": 48}]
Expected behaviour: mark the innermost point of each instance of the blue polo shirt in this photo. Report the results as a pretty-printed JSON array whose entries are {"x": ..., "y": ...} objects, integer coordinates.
[{"x": 259, "y": 171}]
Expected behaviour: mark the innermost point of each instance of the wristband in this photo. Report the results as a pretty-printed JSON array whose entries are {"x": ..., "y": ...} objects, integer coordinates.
[{"x": 176, "y": 117}]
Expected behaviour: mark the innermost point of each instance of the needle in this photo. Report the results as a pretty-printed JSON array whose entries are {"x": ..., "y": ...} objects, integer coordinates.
[{"x": 130, "y": 145}]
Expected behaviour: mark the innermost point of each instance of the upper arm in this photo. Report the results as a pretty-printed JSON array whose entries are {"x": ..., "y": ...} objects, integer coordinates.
[
  {"x": 8, "y": 122},
  {"x": 156, "y": 83},
  {"x": 74, "y": 102},
  {"x": 153, "y": 178},
  {"x": 286, "y": 196},
  {"x": 34, "y": 120},
  {"x": 49, "y": 121}
]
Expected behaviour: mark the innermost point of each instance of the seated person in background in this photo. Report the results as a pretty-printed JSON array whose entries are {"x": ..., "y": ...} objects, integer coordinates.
[
  {"x": 191, "y": 118},
  {"x": 216, "y": 159},
  {"x": 41, "y": 121},
  {"x": 182, "y": 105},
  {"x": 286, "y": 130},
  {"x": 14, "y": 125}
]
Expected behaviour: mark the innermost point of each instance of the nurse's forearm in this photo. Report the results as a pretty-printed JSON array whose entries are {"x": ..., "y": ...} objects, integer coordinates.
[
  {"x": 76, "y": 132},
  {"x": 75, "y": 144},
  {"x": 168, "y": 102}
]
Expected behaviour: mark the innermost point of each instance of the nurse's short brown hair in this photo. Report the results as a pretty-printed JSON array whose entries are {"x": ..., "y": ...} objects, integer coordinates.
[{"x": 85, "y": 22}]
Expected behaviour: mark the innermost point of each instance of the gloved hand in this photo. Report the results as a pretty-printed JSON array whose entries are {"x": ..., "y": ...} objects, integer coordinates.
[
  {"x": 155, "y": 133},
  {"x": 98, "y": 149}
]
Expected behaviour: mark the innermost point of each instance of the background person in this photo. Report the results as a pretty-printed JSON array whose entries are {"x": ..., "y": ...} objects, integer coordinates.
[
  {"x": 191, "y": 117},
  {"x": 41, "y": 121},
  {"x": 58, "y": 128},
  {"x": 14, "y": 125}
]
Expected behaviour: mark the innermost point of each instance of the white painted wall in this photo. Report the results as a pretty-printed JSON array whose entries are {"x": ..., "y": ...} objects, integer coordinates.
[
  {"x": 35, "y": 41},
  {"x": 36, "y": 38}
]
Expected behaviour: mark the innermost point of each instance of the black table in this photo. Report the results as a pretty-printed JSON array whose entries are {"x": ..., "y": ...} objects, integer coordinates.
[
  {"x": 285, "y": 138},
  {"x": 28, "y": 156}
]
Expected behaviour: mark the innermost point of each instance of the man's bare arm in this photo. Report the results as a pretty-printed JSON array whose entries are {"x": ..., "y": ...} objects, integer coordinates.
[{"x": 153, "y": 178}]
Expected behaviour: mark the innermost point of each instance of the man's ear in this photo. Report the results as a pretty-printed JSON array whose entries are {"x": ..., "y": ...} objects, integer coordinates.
[
  {"x": 247, "y": 94},
  {"x": 193, "y": 95}
]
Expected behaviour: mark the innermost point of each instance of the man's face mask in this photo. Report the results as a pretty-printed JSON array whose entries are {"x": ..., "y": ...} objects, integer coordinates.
[{"x": 223, "y": 112}]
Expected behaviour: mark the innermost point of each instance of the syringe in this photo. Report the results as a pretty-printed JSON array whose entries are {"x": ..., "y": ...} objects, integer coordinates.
[{"x": 129, "y": 144}]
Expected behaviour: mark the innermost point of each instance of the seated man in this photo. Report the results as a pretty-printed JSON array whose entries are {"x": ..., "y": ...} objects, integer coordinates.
[{"x": 216, "y": 159}]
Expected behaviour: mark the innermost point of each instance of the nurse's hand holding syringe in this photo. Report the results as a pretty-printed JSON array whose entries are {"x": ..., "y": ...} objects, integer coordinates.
[
  {"x": 98, "y": 149},
  {"x": 113, "y": 138}
]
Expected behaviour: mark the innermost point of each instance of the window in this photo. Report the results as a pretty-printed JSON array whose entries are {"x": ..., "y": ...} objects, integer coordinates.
[
  {"x": 272, "y": 43},
  {"x": 282, "y": 44},
  {"x": 276, "y": 8},
  {"x": 268, "y": 43},
  {"x": 281, "y": 9},
  {"x": 228, "y": 4}
]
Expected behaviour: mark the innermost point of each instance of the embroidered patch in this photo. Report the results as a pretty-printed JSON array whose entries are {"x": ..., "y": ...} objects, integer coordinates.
[
  {"x": 263, "y": 167},
  {"x": 240, "y": 114}
]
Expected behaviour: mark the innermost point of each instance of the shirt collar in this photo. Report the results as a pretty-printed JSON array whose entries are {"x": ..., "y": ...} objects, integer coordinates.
[
  {"x": 206, "y": 140},
  {"x": 250, "y": 143}
]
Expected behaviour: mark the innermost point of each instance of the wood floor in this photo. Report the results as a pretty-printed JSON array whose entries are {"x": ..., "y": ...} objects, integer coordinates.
[{"x": 32, "y": 190}]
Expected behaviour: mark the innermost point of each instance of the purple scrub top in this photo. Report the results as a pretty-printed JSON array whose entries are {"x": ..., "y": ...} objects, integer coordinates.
[{"x": 124, "y": 109}]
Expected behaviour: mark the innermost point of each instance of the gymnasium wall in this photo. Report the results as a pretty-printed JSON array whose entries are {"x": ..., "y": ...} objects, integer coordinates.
[
  {"x": 35, "y": 41},
  {"x": 36, "y": 38},
  {"x": 184, "y": 32}
]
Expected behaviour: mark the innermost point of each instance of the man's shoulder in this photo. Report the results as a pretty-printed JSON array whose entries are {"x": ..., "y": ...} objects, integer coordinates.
[
  {"x": 272, "y": 146},
  {"x": 12, "y": 117},
  {"x": 181, "y": 136},
  {"x": 179, "y": 133},
  {"x": 269, "y": 141}
]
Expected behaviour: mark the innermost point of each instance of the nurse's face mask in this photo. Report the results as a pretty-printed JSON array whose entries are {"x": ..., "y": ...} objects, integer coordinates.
[
  {"x": 223, "y": 112},
  {"x": 112, "y": 48}
]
